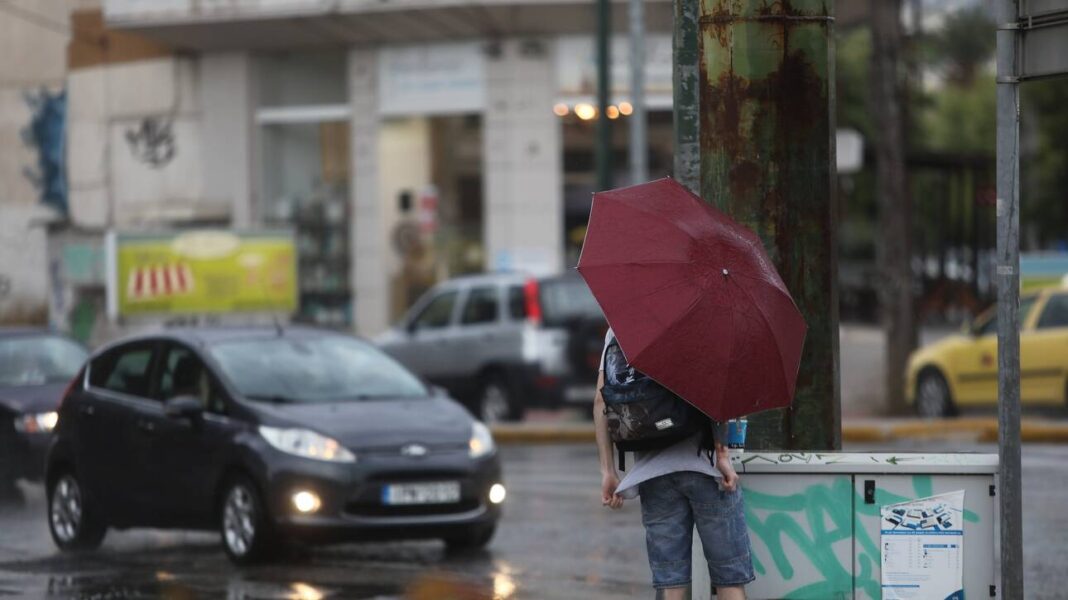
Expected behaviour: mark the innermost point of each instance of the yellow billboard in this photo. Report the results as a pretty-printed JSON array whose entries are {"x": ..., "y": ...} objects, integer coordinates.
[{"x": 201, "y": 271}]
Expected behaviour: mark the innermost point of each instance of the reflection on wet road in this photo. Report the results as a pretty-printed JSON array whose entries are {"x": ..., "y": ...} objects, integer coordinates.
[{"x": 555, "y": 541}]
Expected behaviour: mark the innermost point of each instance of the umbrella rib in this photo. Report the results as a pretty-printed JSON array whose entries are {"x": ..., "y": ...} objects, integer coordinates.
[
  {"x": 767, "y": 324},
  {"x": 680, "y": 281},
  {"x": 660, "y": 217},
  {"x": 634, "y": 263},
  {"x": 766, "y": 280},
  {"x": 685, "y": 313}
]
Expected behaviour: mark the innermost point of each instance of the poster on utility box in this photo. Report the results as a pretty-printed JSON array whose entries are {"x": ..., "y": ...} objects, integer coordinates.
[
  {"x": 201, "y": 271},
  {"x": 923, "y": 548}
]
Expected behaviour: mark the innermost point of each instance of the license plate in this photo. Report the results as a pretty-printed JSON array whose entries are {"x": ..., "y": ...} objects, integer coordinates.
[
  {"x": 421, "y": 493},
  {"x": 583, "y": 393}
]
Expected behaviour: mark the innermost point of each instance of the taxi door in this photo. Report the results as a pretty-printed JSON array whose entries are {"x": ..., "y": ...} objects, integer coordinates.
[{"x": 1044, "y": 353}]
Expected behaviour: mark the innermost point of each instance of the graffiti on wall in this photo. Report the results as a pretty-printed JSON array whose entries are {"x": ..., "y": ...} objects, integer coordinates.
[
  {"x": 817, "y": 518},
  {"x": 152, "y": 141},
  {"x": 45, "y": 133}
]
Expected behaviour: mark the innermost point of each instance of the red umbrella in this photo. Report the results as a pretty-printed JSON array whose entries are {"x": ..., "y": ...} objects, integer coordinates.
[{"x": 693, "y": 299}]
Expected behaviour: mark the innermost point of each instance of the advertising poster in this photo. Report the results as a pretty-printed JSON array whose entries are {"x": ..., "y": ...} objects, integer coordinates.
[
  {"x": 923, "y": 548},
  {"x": 202, "y": 271}
]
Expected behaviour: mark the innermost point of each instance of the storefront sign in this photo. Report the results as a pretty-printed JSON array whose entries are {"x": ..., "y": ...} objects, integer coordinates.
[
  {"x": 923, "y": 548},
  {"x": 576, "y": 68},
  {"x": 205, "y": 271},
  {"x": 431, "y": 79}
]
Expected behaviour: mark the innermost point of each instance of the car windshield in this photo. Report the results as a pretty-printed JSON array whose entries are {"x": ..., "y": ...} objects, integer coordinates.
[
  {"x": 313, "y": 369},
  {"x": 567, "y": 299},
  {"x": 39, "y": 359}
]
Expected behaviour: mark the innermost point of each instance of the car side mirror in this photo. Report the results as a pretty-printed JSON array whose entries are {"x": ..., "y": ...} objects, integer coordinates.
[{"x": 183, "y": 407}]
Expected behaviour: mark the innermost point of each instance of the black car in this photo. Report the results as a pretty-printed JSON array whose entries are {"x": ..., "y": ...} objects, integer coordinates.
[
  {"x": 35, "y": 367},
  {"x": 268, "y": 435}
]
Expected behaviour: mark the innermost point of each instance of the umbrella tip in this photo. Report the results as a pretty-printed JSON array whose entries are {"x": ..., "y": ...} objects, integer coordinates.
[{"x": 725, "y": 273}]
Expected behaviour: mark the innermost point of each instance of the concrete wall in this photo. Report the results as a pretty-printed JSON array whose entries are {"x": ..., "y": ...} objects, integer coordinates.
[
  {"x": 523, "y": 194},
  {"x": 370, "y": 281},
  {"x": 228, "y": 134},
  {"x": 134, "y": 145},
  {"x": 32, "y": 71}
]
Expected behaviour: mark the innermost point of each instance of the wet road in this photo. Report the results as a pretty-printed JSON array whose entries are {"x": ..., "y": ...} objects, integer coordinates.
[{"x": 555, "y": 541}]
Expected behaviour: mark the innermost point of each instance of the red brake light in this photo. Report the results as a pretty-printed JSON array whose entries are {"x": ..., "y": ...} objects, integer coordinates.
[{"x": 533, "y": 302}]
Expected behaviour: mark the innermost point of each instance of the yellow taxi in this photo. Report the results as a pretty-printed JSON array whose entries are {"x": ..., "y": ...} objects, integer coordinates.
[{"x": 962, "y": 370}]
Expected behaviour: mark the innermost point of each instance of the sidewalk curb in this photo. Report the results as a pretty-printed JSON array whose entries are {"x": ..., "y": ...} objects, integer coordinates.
[{"x": 970, "y": 429}]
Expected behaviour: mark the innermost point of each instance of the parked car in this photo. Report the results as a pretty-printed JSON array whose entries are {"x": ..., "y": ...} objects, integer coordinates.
[
  {"x": 961, "y": 370},
  {"x": 35, "y": 367},
  {"x": 502, "y": 343},
  {"x": 267, "y": 435}
]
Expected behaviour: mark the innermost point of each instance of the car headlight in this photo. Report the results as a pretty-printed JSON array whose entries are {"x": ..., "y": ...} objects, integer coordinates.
[
  {"x": 37, "y": 423},
  {"x": 481, "y": 442},
  {"x": 307, "y": 444}
]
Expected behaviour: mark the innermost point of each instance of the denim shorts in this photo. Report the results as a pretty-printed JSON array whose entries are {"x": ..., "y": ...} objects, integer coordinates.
[{"x": 671, "y": 505}]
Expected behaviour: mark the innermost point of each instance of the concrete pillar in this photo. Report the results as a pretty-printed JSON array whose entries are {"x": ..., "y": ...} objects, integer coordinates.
[
  {"x": 370, "y": 281},
  {"x": 522, "y": 163},
  {"x": 228, "y": 104}
]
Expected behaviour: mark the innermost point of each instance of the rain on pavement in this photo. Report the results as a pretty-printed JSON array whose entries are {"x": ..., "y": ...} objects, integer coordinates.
[{"x": 555, "y": 541}]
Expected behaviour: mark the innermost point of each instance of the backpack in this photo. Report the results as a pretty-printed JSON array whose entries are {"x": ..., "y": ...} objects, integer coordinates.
[{"x": 643, "y": 415}]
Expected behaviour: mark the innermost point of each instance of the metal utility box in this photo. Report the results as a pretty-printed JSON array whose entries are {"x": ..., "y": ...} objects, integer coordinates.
[{"x": 814, "y": 519}]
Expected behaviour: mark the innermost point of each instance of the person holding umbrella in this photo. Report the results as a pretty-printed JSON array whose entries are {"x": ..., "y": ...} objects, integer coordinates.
[{"x": 703, "y": 330}]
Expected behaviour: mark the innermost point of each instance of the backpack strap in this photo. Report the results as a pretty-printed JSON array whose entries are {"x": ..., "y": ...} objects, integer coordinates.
[{"x": 622, "y": 458}]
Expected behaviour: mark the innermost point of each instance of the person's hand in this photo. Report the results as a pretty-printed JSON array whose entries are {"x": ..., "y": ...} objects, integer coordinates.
[
  {"x": 730, "y": 477},
  {"x": 609, "y": 497}
]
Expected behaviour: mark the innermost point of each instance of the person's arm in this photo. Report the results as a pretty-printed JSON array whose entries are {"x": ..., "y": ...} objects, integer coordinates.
[
  {"x": 609, "y": 476},
  {"x": 723, "y": 460}
]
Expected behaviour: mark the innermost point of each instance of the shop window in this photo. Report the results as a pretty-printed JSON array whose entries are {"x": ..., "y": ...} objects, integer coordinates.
[{"x": 305, "y": 165}]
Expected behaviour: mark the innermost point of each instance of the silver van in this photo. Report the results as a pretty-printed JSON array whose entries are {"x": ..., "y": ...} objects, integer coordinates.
[{"x": 502, "y": 343}]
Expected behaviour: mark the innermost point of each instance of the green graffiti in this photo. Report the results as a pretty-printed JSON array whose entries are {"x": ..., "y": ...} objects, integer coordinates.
[
  {"x": 815, "y": 506},
  {"x": 817, "y": 518}
]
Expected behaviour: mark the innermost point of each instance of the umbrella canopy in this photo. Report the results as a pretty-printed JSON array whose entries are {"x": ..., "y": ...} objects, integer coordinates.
[{"x": 693, "y": 299}]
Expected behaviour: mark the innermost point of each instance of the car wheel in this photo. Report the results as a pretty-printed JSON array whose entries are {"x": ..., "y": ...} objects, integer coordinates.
[
  {"x": 72, "y": 519},
  {"x": 496, "y": 403},
  {"x": 932, "y": 396},
  {"x": 243, "y": 522},
  {"x": 476, "y": 539}
]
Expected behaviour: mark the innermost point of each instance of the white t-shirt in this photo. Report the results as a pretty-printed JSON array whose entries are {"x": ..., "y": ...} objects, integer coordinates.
[{"x": 686, "y": 455}]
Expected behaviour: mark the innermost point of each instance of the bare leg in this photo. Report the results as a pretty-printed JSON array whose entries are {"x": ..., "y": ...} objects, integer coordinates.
[
  {"x": 736, "y": 592},
  {"x": 675, "y": 593}
]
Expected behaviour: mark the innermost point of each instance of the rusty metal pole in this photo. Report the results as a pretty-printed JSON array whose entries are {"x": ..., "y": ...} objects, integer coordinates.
[
  {"x": 685, "y": 95},
  {"x": 768, "y": 159}
]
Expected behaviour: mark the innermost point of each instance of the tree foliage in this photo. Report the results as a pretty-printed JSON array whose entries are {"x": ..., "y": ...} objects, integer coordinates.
[
  {"x": 964, "y": 44},
  {"x": 1044, "y": 165}
]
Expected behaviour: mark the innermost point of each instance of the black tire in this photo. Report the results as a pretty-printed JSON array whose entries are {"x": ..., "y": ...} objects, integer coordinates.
[
  {"x": 471, "y": 541},
  {"x": 73, "y": 520},
  {"x": 497, "y": 402},
  {"x": 244, "y": 525},
  {"x": 933, "y": 398}
]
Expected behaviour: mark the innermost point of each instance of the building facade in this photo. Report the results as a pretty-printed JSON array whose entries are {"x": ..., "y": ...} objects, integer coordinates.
[
  {"x": 402, "y": 142},
  {"x": 34, "y": 37}
]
